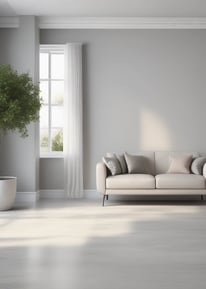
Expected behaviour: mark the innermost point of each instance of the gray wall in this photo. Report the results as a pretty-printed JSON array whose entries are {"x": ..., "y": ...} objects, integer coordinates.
[
  {"x": 143, "y": 89},
  {"x": 51, "y": 174},
  {"x": 19, "y": 157}
]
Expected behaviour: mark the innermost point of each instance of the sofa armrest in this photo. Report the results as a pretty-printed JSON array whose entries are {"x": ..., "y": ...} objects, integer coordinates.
[{"x": 101, "y": 175}]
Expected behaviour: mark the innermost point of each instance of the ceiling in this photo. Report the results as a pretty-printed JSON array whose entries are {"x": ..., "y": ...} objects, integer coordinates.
[{"x": 104, "y": 8}]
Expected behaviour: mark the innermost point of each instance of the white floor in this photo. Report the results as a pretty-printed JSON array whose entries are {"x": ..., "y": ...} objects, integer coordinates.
[{"x": 125, "y": 245}]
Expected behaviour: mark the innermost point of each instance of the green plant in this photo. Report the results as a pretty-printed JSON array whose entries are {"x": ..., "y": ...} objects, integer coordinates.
[
  {"x": 19, "y": 100},
  {"x": 57, "y": 142}
]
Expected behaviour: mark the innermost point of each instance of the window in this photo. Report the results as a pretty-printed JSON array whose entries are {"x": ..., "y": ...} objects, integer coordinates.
[{"x": 52, "y": 93}]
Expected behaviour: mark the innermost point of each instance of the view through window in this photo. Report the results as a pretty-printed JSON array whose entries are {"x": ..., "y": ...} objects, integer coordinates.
[{"x": 52, "y": 93}]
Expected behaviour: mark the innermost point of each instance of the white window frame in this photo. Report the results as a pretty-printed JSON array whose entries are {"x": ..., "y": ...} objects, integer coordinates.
[{"x": 49, "y": 49}]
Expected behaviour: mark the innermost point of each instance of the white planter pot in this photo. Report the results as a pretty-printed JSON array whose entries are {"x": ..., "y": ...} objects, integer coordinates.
[{"x": 7, "y": 192}]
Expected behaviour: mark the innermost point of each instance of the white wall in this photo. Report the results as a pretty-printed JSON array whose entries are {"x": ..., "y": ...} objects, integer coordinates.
[
  {"x": 143, "y": 89},
  {"x": 19, "y": 157}
]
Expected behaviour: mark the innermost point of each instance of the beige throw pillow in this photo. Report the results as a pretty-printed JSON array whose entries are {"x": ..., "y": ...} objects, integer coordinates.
[{"x": 180, "y": 164}]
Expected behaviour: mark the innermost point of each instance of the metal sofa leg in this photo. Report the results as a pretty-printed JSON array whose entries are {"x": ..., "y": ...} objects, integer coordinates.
[
  {"x": 202, "y": 198},
  {"x": 104, "y": 196}
]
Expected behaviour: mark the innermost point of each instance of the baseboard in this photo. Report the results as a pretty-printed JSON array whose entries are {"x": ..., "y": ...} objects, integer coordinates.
[
  {"x": 60, "y": 194},
  {"x": 37, "y": 195},
  {"x": 30, "y": 197},
  {"x": 52, "y": 194},
  {"x": 91, "y": 194}
]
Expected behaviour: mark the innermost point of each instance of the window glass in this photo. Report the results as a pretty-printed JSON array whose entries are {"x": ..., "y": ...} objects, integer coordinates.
[
  {"x": 57, "y": 92},
  {"x": 44, "y": 67},
  {"x": 44, "y": 116},
  {"x": 44, "y": 91},
  {"x": 44, "y": 140},
  {"x": 57, "y": 116},
  {"x": 57, "y": 66},
  {"x": 52, "y": 94},
  {"x": 57, "y": 139}
]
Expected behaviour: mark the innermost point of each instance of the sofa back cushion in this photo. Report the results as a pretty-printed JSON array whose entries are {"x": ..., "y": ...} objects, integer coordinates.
[{"x": 162, "y": 160}]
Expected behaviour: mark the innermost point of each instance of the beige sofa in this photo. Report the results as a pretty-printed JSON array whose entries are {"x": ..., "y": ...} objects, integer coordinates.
[{"x": 157, "y": 182}]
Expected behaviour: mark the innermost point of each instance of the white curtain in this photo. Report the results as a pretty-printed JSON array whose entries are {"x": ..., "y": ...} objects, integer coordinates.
[{"x": 73, "y": 134}]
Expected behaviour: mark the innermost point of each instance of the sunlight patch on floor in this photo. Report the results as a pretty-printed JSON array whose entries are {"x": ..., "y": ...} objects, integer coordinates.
[{"x": 74, "y": 226}]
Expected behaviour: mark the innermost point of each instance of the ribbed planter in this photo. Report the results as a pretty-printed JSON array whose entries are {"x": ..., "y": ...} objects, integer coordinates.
[{"x": 7, "y": 192}]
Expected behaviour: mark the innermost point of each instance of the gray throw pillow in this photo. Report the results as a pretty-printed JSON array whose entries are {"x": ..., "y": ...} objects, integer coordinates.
[
  {"x": 110, "y": 155},
  {"x": 122, "y": 161},
  {"x": 123, "y": 164},
  {"x": 136, "y": 164},
  {"x": 113, "y": 165},
  {"x": 197, "y": 165}
]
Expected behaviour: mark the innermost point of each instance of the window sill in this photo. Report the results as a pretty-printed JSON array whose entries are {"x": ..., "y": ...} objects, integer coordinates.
[{"x": 52, "y": 156}]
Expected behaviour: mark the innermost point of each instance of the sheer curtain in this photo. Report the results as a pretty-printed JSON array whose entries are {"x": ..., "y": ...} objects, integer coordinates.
[{"x": 73, "y": 134}]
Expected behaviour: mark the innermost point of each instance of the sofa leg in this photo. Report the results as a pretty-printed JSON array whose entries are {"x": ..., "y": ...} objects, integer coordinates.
[
  {"x": 107, "y": 197},
  {"x": 202, "y": 198},
  {"x": 104, "y": 196}
]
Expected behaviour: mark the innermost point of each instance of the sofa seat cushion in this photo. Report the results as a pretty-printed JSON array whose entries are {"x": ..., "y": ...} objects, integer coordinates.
[
  {"x": 131, "y": 181},
  {"x": 180, "y": 181}
]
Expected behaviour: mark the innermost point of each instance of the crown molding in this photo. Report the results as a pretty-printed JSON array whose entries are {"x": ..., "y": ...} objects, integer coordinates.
[
  {"x": 52, "y": 22},
  {"x": 9, "y": 22},
  {"x": 47, "y": 22}
]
